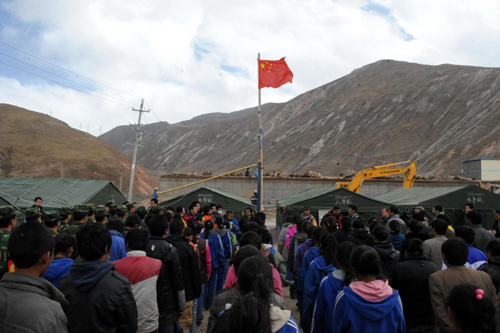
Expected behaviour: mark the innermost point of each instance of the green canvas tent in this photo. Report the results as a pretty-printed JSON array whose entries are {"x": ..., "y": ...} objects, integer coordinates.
[
  {"x": 452, "y": 199},
  {"x": 58, "y": 192},
  {"x": 207, "y": 195},
  {"x": 323, "y": 199}
]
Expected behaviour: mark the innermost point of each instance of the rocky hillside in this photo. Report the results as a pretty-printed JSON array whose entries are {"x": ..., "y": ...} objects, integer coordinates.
[
  {"x": 385, "y": 112},
  {"x": 36, "y": 145}
]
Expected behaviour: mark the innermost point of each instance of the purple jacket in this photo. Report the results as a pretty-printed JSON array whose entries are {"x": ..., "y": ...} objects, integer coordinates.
[{"x": 301, "y": 252}]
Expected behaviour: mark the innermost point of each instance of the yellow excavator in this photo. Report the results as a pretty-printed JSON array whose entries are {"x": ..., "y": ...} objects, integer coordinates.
[{"x": 379, "y": 171}]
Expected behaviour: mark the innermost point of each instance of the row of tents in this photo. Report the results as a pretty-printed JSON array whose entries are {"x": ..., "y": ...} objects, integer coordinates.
[{"x": 58, "y": 192}]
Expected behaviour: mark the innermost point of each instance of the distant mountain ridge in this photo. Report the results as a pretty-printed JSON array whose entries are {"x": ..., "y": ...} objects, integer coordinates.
[{"x": 384, "y": 112}]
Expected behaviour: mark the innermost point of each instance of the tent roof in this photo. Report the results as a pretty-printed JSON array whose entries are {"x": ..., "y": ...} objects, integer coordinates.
[
  {"x": 326, "y": 198},
  {"x": 241, "y": 202},
  {"x": 56, "y": 192},
  {"x": 448, "y": 197}
]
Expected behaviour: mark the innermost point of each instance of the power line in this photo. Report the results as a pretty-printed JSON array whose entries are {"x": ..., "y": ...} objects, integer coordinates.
[
  {"x": 34, "y": 56},
  {"x": 81, "y": 85},
  {"x": 154, "y": 114},
  {"x": 62, "y": 84}
]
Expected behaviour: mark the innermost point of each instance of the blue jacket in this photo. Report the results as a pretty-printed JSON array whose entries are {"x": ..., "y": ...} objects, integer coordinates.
[
  {"x": 310, "y": 255},
  {"x": 216, "y": 250},
  {"x": 353, "y": 313},
  {"x": 396, "y": 241},
  {"x": 117, "y": 246},
  {"x": 325, "y": 302},
  {"x": 235, "y": 227},
  {"x": 227, "y": 244},
  {"x": 317, "y": 271},
  {"x": 57, "y": 269},
  {"x": 476, "y": 258}
]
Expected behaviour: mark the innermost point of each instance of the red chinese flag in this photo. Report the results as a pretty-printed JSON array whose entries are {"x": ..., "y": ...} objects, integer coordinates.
[{"x": 274, "y": 74}]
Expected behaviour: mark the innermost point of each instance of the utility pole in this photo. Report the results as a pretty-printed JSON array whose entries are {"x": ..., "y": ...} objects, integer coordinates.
[
  {"x": 121, "y": 180},
  {"x": 138, "y": 136}
]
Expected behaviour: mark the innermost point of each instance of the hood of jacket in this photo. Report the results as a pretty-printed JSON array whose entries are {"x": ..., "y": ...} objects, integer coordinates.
[
  {"x": 58, "y": 268},
  {"x": 373, "y": 311},
  {"x": 270, "y": 248},
  {"x": 221, "y": 231},
  {"x": 35, "y": 285},
  {"x": 85, "y": 275},
  {"x": 279, "y": 318},
  {"x": 360, "y": 234},
  {"x": 116, "y": 233},
  {"x": 322, "y": 266},
  {"x": 385, "y": 250},
  {"x": 315, "y": 251}
]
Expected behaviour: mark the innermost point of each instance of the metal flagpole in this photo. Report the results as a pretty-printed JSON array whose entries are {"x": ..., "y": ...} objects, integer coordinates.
[{"x": 260, "y": 186}]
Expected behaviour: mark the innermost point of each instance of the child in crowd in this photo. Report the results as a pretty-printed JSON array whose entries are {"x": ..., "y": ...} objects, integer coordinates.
[{"x": 395, "y": 238}]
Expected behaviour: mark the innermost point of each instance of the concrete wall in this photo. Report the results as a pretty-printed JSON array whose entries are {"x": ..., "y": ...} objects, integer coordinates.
[
  {"x": 279, "y": 188},
  {"x": 472, "y": 169},
  {"x": 490, "y": 170}
]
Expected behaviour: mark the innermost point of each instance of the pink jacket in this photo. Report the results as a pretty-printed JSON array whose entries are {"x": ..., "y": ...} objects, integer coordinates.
[
  {"x": 289, "y": 234},
  {"x": 231, "y": 280}
]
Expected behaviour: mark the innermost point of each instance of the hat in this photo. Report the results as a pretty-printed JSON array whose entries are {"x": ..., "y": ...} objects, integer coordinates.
[
  {"x": 307, "y": 208},
  {"x": 122, "y": 208},
  {"x": 130, "y": 205},
  {"x": 7, "y": 213},
  {"x": 91, "y": 207},
  {"x": 65, "y": 211},
  {"x": 51, "y": 216},
  {"x": 81, "y": 209},
  {"x": 32, "y": 213},
  {"x": 140, "y": 209},
  {"x": 101, "y": 212}
]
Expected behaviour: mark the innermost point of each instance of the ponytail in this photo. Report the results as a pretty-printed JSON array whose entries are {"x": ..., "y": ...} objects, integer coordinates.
[
  {"x": 249, "y": 314},
  {"x": 209, "y": 226},
  {"x": 366, "y": 261},
  {"x": 343, "y": 259},
  {"x": 328, "y": 247}
]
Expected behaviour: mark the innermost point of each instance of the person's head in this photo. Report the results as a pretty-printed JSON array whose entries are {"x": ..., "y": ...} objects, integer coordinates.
[
  {"x": 243, "y": 253},
  {"x": 393, "y": 210},
  {"x": 136, "y": 240},
  {"x": 197, "y": 204},
  {"x": 307, "y": 211},
  {"x": 64, "y": 245},
  {"x": 318, "y": 232},
  {"x": 262, "y": 216},
  {"x": 180, "y": 210},
  {"x": 336, "y": 210},
  {"x": 8, "y": 219},
  {"x": 438, "y": 209},
  {"x": 419, "y": 209},
  {"x": 113, "y": 209},
  {"x": 101, "y": 215},
  {"x": 116, "y": 225},
  {"x": 414, "y": 247},
  {"x": 251, "y": 238},
  {"x": 141, "y": 211},
  {"x": 439, "y": 226},
  {"x": 346, "y": 223},
  {"x": 189, "y": 234},
  {"x": 372, "y": 226},
  {"x": 131, "y": 207},
  {"x": 419, "y": 217},
  {"x": 358, "y": 225},
  {"x": 94, "y": 242},
  {"x": 197, "y": 228},
  {"x": 343, "y": 260},
  {"x": 51, "y": 219},
  {"x": 380, "y": 235},
  {"x": 31, "y": 247},
  {"x": 330, "y": 223},
  {"x": 207, "y": 210},
  {"x": 158, "y": 226},
  {"x": 253, "y": 226},
  {"x": 229, "y": 215},
  {"x": 193, "y": 208},
  {"x": 493, "y": 248},
  {"x": 305, "y": 225},
  {"x": 366, "y": 265},
  {"x": 466, "y": 233},
  {"x": 455, "y": 252},
  {"x": 121, "y": 211},
  {"x": 352, "y": 209},
  {"x": 265, "y": 235},
  {"x": 248, "y": 212},
  {"x": 385, "y": 213},
  {"x": 497, "y": 215},
  {"x": 132, "y": 221},
  {"x": 468, "y": 208},
  {"x": 176, "y": 228},
  {"x": 38, "y": 201},
  {"x": 414, "y": 226},
  {"x": 473, "y": 218},
  {"x": 310, "y": 231},
  {"x": 153, "y": 202},
  {"x": 394, "y": 227},
  {"x": 470, "y": 310},
  {"x": 328, "y": 247},
  {"x": 65, "y": 214}
]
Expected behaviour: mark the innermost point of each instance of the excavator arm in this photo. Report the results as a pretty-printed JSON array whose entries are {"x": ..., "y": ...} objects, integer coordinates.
[{"x": 381, "y": 171}]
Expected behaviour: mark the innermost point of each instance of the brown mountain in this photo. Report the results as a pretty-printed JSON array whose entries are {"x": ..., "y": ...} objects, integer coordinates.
[
  {"x": 36, "y": 145},
  {"x": 385, "y": 112}
]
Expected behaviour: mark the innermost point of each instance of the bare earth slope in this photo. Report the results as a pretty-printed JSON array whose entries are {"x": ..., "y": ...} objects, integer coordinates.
[
  {"x": 37, "y": 145},
  {"x": 385, "y": 112}
]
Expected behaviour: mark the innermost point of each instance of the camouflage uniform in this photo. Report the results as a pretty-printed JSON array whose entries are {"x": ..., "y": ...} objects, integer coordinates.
[
  {"x": 91, "y": 212},
  {"x": 32, "y": 214},
  {"x": 51, "y": 217},
  {"x": 7, "y": 213},
  {"x": 65, "y": 212},
  {"x": 122, "y": 209},
  {"x": 72, "y": 229},
  {"x": 142, "y": 209},
  {"x": 101, "y": 213}
]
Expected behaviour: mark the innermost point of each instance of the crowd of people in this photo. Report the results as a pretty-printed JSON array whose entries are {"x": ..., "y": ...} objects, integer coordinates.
[{"x": 123, "y": 268}]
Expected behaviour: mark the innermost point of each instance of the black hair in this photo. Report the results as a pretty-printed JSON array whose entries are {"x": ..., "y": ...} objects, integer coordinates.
[
  {"x": 258, "y": 220},
  {"x": 94, "y": 241},
  {"x": 251, "y": 238},
  {"x": 244, "y": 252},
  {"x": 252, "y": 226},
  {"x": 192, "y": 206},
  {"x": 456, "y": 251},
  {"x": 471, "y": 206},
  {"x": 493, "y": 247},
  {"x": 98, "y": 218},
  {"x": 265, "y": 235},
  {"x": 472, "y": 315},
  {"x": 63, "y": 242},
  {"x": 299, "y": 225},
  {"x": 358, "y": 224},
  {"x": 218, "y": 206},
  {"x": 154, "y": 200},
  {"x": 373, "y": 225},
  {"x": 197, "y": 228},
  {"x": 394, "y": 210},
  {"x": 440, "y": 226},
  {"x": 372, "y": 219},
  {"x": 116, "y": 225},
  {"x": 346, "y": 223},
  {"x": 415, "y": 226},
  {"x": 189, "y": 232},
  {"x": 218, "y": 221},
  {"x": 330, "y": 223},
  {"x": 419, "y": 217},
  {"x": 141, "y": 214},
  {"x": 262, "y": 216},
  {"x": 51, "y": 224},
  {"x": 179, "y": 209},
  {"x": 343, "y": 260},
  {"x": 288, "y": 219},
  {"x": 466, "y": 233},
  {"x": 395, "y": 226},
  {"x": 137, "y": 239},
  {"x": 28, "y": 243},
  {"x": 121, "y": 213},
  {"x": 132, "y": 221},
  {"x": 37, "y": 199},
  {"x": 414, "y": 246},
  {"x": 255, "y": 274},
  {"x": 497, "y": 211},
  {"x": 209, "y": 226},
  {"x": 318, "y": 233},
  {"x": 354, "y": 207},
  {"x": 381, "y": 234},
  {"x": 474, "y": 217},
  {"x": 113, "y": 209},
  {"x": 438, "y": 208},
  {"x": 296, "y": 219},
  {"x": 176, "y": 227},
  {"x": 305, "y": 226},
  {"x": 230, "y": 212},
  {"x": 79, "y": 216},
  {"x": 366, "y": 261},
  {"x": 206, "y": 210},
  {"x": 335, "y": 207},
  {"x": 250, "y": 209},
  {"x": 310, "y": 231},
  {"x": 328, "y": 247}
]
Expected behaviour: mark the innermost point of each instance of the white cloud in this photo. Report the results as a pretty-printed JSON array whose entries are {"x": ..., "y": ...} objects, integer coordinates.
[{"x": 148, "y": 49}]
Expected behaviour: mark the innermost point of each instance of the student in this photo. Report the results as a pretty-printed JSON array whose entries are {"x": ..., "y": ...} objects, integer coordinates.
[
  {"x": 369, "y": 304},
  {"x": 469, "y": 309},
  {"x": 27, "y": 302},
  {"x": 218, "y": 262},
  {"x": 493, "y": 265},
  {"x": 94, "y": 285},
  {"x": 144, "y": 276},
  {"x": 233, "y": 223},
  {"x": 330, "y": 286},
  {"x": 265, "y": 237},
  {"x": 476, "y": 258},
  {"x": 118, "y": 251},
  {"x": 388, "y": 255},
  {"x": 64, "y": 246},
  {"x": 227, "y": 244},
  {"x": 291, "y": 231},
  {"x": 345, "y": 231},
  {"x": 205, "y": 269},
  {"x": 359, "y": 234},
  {"x": 318, "y": 269},
  {"x": 303, "y": 248},
  {"x": 253, "y": 312},
  {"x": 395, "y": 237}
]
